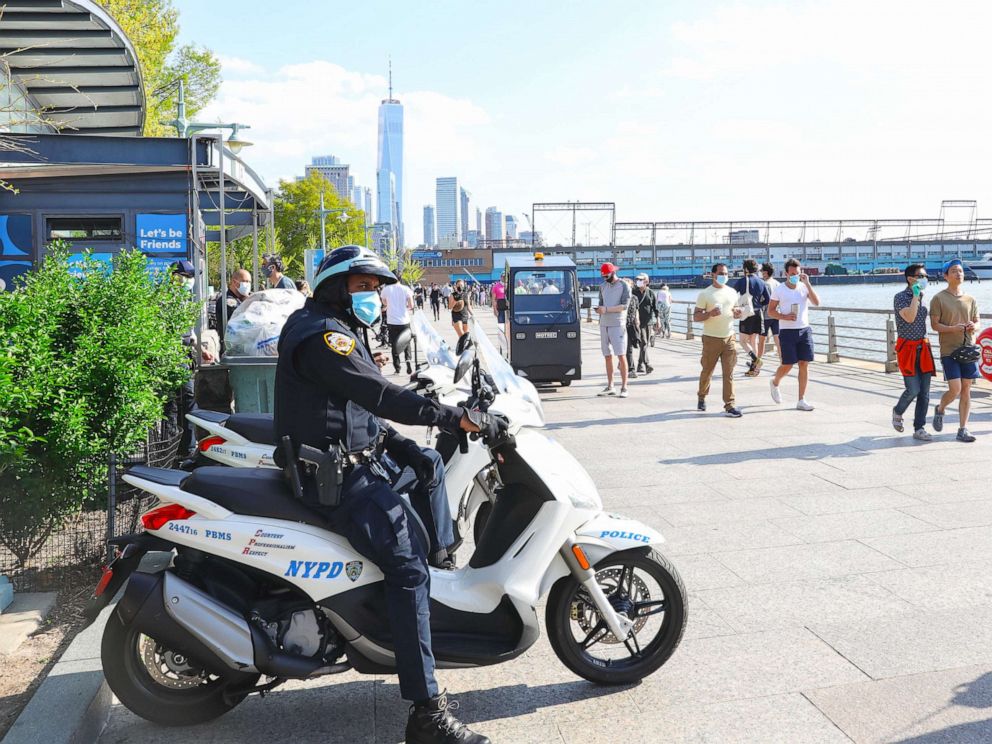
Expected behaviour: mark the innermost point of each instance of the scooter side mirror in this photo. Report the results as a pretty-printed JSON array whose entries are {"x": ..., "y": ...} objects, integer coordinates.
[
  {"x": 464, "y": 343},
  {"x": 404, "y": 340},
  {"x": 464, "y": 364}
]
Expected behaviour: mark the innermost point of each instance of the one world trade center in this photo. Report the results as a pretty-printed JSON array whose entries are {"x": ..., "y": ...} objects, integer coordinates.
[{"x": 389, "y": 168}]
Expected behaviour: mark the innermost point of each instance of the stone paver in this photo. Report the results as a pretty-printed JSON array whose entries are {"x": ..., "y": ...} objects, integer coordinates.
[{"x": 839, "y": 588}]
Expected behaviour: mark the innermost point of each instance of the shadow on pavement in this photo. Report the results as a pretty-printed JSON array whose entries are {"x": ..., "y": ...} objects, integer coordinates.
[{"x": 976, "y": 694}]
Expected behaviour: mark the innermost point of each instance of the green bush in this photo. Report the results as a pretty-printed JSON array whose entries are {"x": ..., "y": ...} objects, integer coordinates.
[{"x": 88, "y": 358}]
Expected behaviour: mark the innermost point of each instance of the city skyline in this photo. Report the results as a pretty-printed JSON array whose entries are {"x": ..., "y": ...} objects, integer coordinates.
[{"x": 389, "y": 163}]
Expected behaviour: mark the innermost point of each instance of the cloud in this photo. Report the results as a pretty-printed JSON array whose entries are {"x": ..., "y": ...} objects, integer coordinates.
[
  {"x": 238, "y": 66},
  {"x": 319, "y": 107},
  {"x": 570, "y": 156}
]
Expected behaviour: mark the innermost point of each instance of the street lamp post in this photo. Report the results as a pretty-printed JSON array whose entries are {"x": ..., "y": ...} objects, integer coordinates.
[
  {"x": 184, "y": 127},
  {"x": 323, "y": 220}
]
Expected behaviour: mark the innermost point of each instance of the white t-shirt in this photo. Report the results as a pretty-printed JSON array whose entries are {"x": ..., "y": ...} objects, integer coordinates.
[
  {"x": 396, "y": 297},
  {"x": 771, "y": 282},
  {"x": 664, "y": 297},
  {"x": 551, "y": 289},
  {"x": 787, "y": 297}
]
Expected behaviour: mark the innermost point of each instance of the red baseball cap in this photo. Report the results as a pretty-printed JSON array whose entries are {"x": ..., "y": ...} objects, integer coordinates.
[{"x": 607, "y": 268}]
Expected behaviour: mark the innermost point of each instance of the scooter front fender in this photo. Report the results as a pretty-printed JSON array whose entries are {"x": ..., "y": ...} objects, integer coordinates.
[{"x": 610, "y": 533}]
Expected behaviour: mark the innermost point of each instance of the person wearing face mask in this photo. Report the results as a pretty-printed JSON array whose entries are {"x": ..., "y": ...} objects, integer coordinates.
[
  {"x": 330, "y": 395},
  {"x": 272, "y": 268},
  {"x": 717, "y": 308},
  {"x": 647, "y": 311},
  {"x": 238, "y": 289},
  {"x": 790, "y": 306},
  {"x": 614, "y": 298},
  {"x": 913, "y": 351}
]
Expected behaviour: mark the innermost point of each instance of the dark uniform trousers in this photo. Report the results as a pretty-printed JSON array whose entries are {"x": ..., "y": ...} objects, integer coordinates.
[{"x": 379, "y": 526}]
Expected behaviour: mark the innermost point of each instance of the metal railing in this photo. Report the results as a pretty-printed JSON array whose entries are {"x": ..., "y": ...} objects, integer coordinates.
[
  {"x": 848, "y": 333},
  {"x": 845, "y": 333}
]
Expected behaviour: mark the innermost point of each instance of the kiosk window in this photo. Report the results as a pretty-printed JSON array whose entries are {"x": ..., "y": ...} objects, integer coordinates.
[
  {"x": 543, "y": 297},
  {"x": 84, "y": 228}
]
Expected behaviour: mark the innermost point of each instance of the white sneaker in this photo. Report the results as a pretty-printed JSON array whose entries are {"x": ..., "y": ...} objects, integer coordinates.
[
  {"x": 776, "y": 393},
  {"x": 922, "y": 435},
  {"x": 608, "y": 390},
  {"x": 802, "y": 405},
  {"x": 623, "y": 392}
]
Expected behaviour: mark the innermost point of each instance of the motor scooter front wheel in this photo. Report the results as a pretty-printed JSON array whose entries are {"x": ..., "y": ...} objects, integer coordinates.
[
  {"x": 161, "y": 685},
  {"x": 640, "y": 584}
]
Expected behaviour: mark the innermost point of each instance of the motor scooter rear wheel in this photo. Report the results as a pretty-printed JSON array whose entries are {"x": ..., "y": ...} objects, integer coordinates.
[
  {"x": 642, "y": 585},
  {"x": 161, "y": 685}
]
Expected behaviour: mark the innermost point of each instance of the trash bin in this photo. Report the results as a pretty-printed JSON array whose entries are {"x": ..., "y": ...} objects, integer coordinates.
[{"x": 253, "y": 381}]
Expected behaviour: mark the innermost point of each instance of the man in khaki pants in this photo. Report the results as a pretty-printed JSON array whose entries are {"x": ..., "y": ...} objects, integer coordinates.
[{"x": 716, "y": 309}]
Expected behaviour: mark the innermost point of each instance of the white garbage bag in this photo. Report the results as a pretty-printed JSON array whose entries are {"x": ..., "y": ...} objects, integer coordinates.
[{"x": 253, "y": 329}]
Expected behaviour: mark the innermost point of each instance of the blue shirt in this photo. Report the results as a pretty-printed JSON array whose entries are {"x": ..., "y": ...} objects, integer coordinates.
[{"x": 918, "y": 328}]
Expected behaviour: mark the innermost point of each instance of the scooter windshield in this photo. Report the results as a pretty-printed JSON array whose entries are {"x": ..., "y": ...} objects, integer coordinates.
[
  {"x": 430, "y": 343},
  {"x": 507, "y": 381}
]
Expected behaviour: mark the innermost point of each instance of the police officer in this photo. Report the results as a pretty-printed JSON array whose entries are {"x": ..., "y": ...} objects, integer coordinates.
[{"x": 330, "y": 394}]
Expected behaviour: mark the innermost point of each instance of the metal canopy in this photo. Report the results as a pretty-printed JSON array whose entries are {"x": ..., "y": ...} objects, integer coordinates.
[{"x": 74, "y": 64}]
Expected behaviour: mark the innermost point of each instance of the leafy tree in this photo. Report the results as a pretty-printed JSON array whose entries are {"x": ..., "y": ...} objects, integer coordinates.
[
  {"x": 152, "y": 26},
  {"x": 90, "y": 356},
  {"x": 410, "y": 271},
  {"x": 297, "y": 219}
]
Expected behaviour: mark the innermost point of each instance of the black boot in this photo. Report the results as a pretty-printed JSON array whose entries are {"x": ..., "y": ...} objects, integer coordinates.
[{"x": 432, "y": 722}]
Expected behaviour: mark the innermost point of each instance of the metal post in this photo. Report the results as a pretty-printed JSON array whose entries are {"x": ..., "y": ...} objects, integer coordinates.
[
  {"x": 688, "y": 325},
  {"x": 271, "y": 232},
  {"x": 111, "y": 503},
  {"x": 223, "y": 229},
  {"x": 323, "y": 225},
  {"x": 832, "y": 354},
  {"x": 254, "y": 246},
  {"x": 891, "y": 363}
]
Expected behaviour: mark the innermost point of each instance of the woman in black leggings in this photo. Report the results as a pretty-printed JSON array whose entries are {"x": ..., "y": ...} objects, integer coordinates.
[{"x": 436, "y": 300}]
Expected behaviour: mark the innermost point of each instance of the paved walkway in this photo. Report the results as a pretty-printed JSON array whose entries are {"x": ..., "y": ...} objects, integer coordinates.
[{"x": 840, "y": 579}]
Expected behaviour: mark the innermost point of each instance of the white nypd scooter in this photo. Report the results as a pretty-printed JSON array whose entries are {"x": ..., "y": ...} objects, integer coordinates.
[
  {"x": 257, "y": 586},
  {"x": 247, "y": 440}
]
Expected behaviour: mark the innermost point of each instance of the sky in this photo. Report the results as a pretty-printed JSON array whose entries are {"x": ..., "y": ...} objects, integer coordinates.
[{"x": 674, "y": 111}]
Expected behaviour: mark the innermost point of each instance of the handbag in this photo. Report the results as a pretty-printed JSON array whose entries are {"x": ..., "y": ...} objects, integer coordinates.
[
  {"x": 745, "y": 303},
  {"x": 967, "y": 353}
]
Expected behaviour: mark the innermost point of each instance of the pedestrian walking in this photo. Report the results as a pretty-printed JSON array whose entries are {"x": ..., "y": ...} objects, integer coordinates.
[
  {"x": 499, "y": 301},
  {"x": 398, "y": 299},
  {"x": 446, "y": 294},
  {"x": 790, "y": 305},
  {"x": 418, "y": 296},
  {"x": 460, "y": 306},
  {"x": 754, "y": 299},
  {"x": 954, "y": 315},
  {"x": 647, "y": 310},
  {"x": 614, "y": 297},
  {"x": 435, "y": 297},
  {"x": 633, "y": 329},
  {"x": 716, "y": 308},
  {"x": 913, "y": 351},
  {"x": 664, "y": 297},
  {"x": 770, "y": 325}
]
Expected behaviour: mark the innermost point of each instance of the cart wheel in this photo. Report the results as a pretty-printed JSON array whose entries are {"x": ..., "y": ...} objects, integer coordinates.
[{"x": 566, "y": 383}]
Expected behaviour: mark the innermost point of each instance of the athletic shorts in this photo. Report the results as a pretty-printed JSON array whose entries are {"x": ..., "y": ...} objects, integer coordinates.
[
  {"x": 615, "y": 336},
  {"x": 771, "y": 324},
  {"x": 751, "y": 325},
  {"x": 954, "y": 370},
  {"x": 797, "y": 345}
]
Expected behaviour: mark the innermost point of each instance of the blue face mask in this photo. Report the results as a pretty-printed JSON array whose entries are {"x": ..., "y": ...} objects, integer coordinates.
[
  {"x": 922, "y": 283},
  {"x": 366, "y": 307},
  {"x": 721, "y": 279},
  {"x": 793, "y": 279}
]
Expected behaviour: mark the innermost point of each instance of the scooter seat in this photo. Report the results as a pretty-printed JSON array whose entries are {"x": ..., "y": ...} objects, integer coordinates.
[
  {"x": 252, "y": 492},
  {"x": 255, "y": 427}
]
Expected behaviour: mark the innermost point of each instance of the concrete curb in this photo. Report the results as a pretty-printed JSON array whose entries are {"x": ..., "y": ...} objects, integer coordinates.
[{"x": 73, "y": 703}]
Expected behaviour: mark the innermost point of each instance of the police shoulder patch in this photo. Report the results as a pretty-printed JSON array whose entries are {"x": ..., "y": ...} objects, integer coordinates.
[{"x": 339, "y": 343}]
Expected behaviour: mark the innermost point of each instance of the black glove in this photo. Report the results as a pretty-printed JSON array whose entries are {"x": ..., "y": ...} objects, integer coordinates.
[{"x": 492, "y": 426}]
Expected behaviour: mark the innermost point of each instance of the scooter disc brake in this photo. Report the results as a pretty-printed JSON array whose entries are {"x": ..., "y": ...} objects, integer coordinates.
[
  {"x": 584, "y": 612},
  {"x": 169, "y": 668}
]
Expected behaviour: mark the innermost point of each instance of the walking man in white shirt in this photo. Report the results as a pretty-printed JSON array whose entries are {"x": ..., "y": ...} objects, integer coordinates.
[
  {"x": 398, "y": 299},
  {"x": 790, "y": 306}
]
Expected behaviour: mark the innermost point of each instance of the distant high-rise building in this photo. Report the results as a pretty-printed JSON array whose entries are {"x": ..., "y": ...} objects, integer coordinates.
[
  {"x": 357, "y": 197},
  {"x": 449, "y": 219},
  {"x": 472, "y": 238},
  {"x": 464, "y": 211},
  {"x": 334, "y": 171},
  {"x": 494, "y": 224},
  {"x": 511, "y": 227},
  {"x": 389, "y": 169},
  {"x": 529, "y": 236},
  {"x": 478, "y": 220},
  {"x": 429, "y": 239},
  {"x": 368, "y": 205}
]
